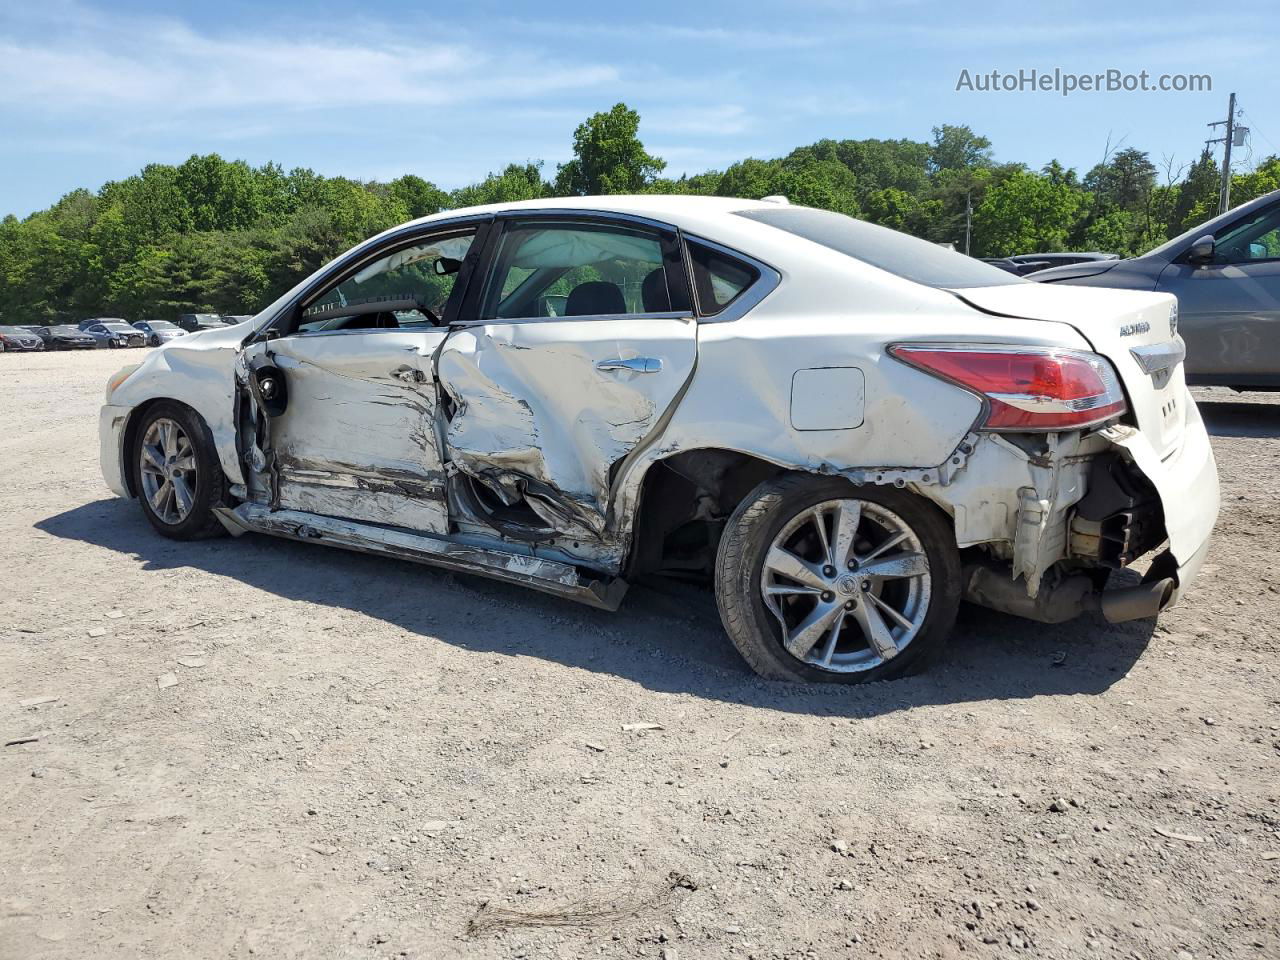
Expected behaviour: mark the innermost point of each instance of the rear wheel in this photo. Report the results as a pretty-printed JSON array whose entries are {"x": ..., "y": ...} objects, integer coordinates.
[
  {"x": 177, "y": 474},
  {"x": 821, "y": 580}
]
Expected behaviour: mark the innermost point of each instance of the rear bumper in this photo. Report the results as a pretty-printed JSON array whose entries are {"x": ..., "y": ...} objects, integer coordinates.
[
  {"x": 1187, "y": 483},
  {"x": 111, "y": 426}
]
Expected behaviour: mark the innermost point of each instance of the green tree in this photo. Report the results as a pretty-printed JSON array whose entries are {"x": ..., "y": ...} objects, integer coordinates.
[
  {"x": 419, "y": 197},
  {"x": 1026, "y": 213},
  {"x": 1264, "y": 178},
  {"x": 1197, "y": 198},
  {"x": 958, "y": 148},
  {"x": 608, "y": 156},
  {"x": 516, "y": 182}
]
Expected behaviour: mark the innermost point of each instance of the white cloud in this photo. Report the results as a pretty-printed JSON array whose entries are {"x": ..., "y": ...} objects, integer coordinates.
[
  {"x": 724, "y": 120},
  {"x": 70, "y": 57},
  {"x": 646, "y": 33}
]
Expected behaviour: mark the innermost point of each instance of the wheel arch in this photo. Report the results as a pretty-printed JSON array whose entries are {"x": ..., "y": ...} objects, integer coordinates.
[
  {"x": 134, "y": 423},
  {"x": 705, "y": 485},
  {"x": 690, "y": 493}
]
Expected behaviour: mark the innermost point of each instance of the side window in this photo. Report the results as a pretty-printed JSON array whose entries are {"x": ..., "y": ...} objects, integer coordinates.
[
  {"x": 1258, "y": 238},
  {"x": 576, "y": 270},
  {"x": 718, "y": 279},
  {"x": 408, "y": 287}
]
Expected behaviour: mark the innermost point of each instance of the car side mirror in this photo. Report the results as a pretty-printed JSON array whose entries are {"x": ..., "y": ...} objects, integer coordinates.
[
  {"x": 444, "y": 266},
  {"x": 1202, "y": 250}
]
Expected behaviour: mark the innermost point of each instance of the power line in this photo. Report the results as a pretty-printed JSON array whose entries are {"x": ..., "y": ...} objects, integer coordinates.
[{"x": 1253, "y": 128}]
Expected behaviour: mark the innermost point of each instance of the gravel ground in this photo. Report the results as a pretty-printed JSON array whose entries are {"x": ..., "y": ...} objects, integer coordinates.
[{"x": 259, "y": 747}]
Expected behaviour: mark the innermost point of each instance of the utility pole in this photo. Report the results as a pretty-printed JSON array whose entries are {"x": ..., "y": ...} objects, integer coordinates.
[
  {"x": 968, "y": 220},
  {"x": 1224, "y": 192}
]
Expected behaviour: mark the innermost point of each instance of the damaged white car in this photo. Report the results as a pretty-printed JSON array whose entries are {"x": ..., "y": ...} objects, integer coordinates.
[{"x": 844, "y": 430}]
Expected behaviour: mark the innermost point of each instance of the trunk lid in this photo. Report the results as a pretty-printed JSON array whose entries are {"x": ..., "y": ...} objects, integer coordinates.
[{"x": 1136, "y": 331}]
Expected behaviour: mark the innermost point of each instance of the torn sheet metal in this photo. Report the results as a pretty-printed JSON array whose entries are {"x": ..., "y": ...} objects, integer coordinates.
[
  {"x": 541, "y": 411},
  {"x": 549, "y": 576},
  {"x": 1018, "y": 501},
  {"x": 357, "y": 437}
]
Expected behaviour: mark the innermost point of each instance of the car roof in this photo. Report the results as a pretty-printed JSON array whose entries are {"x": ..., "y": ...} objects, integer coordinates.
[
  {"x": 680, "y": 210},
  {"x": 660, "y": 206}
]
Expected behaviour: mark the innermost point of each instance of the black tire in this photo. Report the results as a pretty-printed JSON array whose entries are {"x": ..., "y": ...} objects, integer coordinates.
[
  {"x": 211, "y": 486},
  {"x": 763, "y": 515},
  {"x": 155, "y": 341}
]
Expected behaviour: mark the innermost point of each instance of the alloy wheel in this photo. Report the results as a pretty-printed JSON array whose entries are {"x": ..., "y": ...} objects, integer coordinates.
[
  {"x": 168, "y": 470},
  {"x": 849, "y": 582}
]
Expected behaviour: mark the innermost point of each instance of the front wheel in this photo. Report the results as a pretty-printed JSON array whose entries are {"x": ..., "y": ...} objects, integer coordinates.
[
  {"x": 177, "y": 474},
  {"x": 820, "y": 580}
]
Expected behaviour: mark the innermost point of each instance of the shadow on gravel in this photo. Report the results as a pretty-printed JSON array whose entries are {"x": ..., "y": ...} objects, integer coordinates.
[
  {"x": 667, "y": 636},
  {"x": 1237, "y": 418}
]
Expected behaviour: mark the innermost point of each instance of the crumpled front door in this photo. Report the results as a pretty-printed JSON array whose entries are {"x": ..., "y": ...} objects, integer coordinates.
[{"x": 357, "y": 436}]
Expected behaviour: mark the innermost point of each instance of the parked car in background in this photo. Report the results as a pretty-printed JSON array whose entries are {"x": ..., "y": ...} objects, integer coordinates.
[
  {"x": 193, "y": 322},
  {"x": 1226, "y": 276},
  {"x": 841, "y": 429},
  {"x": 1010, "y": 266},
  {"x": 1061, "y": 259},
  {"x": 1026, "y": 263},
  {"x": 233, "y": 319},
  {"x": 66, "y": 337},
  {"x": 115, "y": 334},
  {"x": 86, "y": 324},
  {"x": 159, "y": 331},
  {"x": 14, "y": 339}
]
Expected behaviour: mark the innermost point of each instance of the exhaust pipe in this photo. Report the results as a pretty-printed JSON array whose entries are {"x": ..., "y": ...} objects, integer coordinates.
[
  {"x": 991, "y": 586},
  {"x": 1135, "y": 603}
]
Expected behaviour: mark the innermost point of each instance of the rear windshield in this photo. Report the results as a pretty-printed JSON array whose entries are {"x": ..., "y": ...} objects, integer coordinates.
[{"x": 898, "y": 253}]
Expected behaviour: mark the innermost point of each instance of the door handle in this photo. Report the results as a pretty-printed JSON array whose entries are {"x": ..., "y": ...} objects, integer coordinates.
[{"x": 635, "y": 364}]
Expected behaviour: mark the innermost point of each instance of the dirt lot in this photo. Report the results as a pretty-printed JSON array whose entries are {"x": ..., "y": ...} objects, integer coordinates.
[{"x": 357, "y": 753}]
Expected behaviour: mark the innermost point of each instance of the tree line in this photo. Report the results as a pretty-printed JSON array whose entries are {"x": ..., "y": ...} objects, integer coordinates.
[{"x": 211, "y": 235}]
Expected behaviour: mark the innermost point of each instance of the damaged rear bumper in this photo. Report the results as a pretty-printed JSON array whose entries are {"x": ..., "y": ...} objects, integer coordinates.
[
  {"x": 1170, "y": 509},
  {"x": 1187, "y": 482}
]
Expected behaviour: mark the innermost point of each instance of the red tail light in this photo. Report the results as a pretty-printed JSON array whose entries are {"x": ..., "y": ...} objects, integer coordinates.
[{"x": 1027, "y": 388}]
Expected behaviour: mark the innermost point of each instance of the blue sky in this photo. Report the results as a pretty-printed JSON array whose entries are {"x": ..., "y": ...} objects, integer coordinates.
[{"x": 92, "y": 91}]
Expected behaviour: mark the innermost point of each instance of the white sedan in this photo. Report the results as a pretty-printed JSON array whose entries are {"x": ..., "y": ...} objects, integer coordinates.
[{"x": 843, "y": 430}]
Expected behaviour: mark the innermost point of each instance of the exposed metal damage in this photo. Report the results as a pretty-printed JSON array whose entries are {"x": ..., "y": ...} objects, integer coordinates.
[
  {"x": 525, "y": 406},
  {"x": 542, "y": 453},
  {"x": 548, "y": 576}
]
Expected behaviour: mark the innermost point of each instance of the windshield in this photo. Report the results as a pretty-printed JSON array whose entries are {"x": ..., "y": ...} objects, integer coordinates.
[
  {"x": 119, "y": 327},
  {"x": 1171, "y": 248},
  {"x": 160, "y": 325},
  {"x": 905, "y": 256},
  {"x": 65, "y": 330}
]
